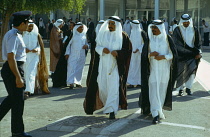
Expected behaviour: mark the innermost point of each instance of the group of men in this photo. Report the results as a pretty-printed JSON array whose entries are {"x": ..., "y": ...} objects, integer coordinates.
[
  {"x": 161, "y": 60},
  {"x": 156, "y": 61}
]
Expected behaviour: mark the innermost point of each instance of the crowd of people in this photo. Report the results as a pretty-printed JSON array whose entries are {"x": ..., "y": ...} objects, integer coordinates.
[{"x": 143, "y": 54}]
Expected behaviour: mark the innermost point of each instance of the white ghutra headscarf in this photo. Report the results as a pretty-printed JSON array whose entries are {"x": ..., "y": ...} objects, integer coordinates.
[
  {"x": 187, "y": 33},
  {"x": 76, "y": 34},
  {"x": 161, "y": 27},
  {"x": 58, "y": 23},
  {"x": 104, "y": 34},
  {"x": 135, "y": 36},
  {"x": 99, "y": 26}
]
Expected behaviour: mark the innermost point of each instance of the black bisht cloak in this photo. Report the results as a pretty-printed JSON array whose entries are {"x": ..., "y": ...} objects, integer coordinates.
[
  {"x": 187, "y": 64},
  {"x": 92, "y": 101},
  {"x": 60, "y": 75},
  {"x": 145, "y": 73}
]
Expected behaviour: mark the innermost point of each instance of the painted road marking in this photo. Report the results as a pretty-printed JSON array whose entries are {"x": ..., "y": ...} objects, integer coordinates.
[
  {"x": 203, "y": 74},
  {"x": 120, "y": 124}
]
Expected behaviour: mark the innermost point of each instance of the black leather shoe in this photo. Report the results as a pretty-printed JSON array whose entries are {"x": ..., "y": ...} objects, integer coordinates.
[
  {"x": 112, "y": 115},
  {"x": 181, "y": 93},
  {"x": 188, "y": 91},
  {"x": 156, "y": 120},
  {"x": 21, "y": 135}
]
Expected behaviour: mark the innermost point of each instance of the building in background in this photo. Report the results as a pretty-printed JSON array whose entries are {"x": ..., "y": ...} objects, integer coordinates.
[{"x": 168, "y": 9}]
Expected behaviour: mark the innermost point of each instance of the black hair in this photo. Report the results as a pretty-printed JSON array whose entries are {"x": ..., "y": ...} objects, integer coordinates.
[
  {"x": 175, "y": 21},
  {"x": 73, "y": 23}
]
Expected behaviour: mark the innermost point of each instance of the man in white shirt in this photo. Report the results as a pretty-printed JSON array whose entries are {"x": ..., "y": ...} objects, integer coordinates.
[{"x": 206, "y": 33}]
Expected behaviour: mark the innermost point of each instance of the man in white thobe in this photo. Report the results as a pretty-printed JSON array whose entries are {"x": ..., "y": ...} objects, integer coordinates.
[
  {"x": 172, "y": 28},
  {"x": 30, "y": 38},
  {"x": 75, "y": 52},
  {"x": 113, "y": 47},
  {"x": 127, "y": 26},
  {"x": 137, "y": 37},
  {"x": 158, "y": 72}
]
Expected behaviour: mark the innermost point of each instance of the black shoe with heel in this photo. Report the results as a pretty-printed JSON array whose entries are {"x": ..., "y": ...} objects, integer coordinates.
[
  {"x": 156, "y": 120},
  {"x": 188, "y": 91},
  {"x": 111, "y": 115}
]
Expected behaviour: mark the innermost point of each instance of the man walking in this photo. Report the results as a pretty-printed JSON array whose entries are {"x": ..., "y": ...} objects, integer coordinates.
[
  {"x": 114, "y": 49},
  {"x": 138, "y": 38},
  {"x": 158, "y": 72},
  {"x": 187, "y": 40},
  {"x": 13, "y": 52}
]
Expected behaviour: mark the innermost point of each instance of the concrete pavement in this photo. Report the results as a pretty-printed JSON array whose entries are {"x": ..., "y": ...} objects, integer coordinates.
[{"x": 61, "y": 114}]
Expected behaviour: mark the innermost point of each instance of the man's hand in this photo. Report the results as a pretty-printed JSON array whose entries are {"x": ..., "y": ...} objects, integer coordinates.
[
  {"x": 34, "y": 50},
  {"x": 66, "y": 57},
  {"x": 136, "y": 51},
  {"x": 159, "y": 57},
  {"x": 154, "y": 54},
  {"x": 198, "y": 56},
  {"x": 27, "y": 50},
  {"x": 85, "y": 47},
  {"x": 19, "y": 83},
  {"x": 106, "y": 51},
  {"x": 114, "y": 53}
]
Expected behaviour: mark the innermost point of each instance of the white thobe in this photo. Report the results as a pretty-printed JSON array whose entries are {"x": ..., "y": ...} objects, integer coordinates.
[
  {"x": 108, "y": 79},
  {"x": 32, "y": 60},
  {"x": 134, "y": 74},
  {"x": 159, "y": 77},
  {"x": 127, "y": 27},
  {"x": 76, "y": 60}
]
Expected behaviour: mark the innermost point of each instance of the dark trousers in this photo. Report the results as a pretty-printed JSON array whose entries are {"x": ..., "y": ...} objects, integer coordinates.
[
  {"x": 14, "y": 100},
  {"x": 206, "y": 39}
]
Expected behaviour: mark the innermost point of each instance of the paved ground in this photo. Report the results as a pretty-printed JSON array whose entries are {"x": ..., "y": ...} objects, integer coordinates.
[{"x": 61, "y": 114}]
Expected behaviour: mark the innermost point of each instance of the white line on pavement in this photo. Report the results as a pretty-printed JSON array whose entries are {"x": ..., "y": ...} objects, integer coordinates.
[
  {"x": 118, "y": 125},
  {"x": 177, "y": 125},
  {"x": 203, "y": 74}
]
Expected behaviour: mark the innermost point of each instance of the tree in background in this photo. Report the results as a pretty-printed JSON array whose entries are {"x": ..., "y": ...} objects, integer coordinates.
[{"x": 36, "y": 6}]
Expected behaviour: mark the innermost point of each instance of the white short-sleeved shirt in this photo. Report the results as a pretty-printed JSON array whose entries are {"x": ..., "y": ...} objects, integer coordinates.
[
  {"x": 13, "y": 43},
  {"x": 206, "y": 29}
]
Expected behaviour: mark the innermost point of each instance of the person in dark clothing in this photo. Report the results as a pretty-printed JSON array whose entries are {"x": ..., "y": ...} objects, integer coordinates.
[
  {"x": 206, "y": 30},
  {"x": 145, "y": 24},
  {"x": 158, "y": 72},
  {"x": 114, "y": 48},
  {"x": 51, "y": 25},
  {"x": 60, "y": 74},
  {"x": 90, "y": 32},
  {"x": 187, "y": 40},
  {"x": 65, "y": 27},
  {"x": 13, "y": 52}
]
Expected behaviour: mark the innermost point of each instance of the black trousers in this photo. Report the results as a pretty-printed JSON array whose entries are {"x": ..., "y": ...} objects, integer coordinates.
[
  {"x": 206, "y": 39},
  {"x": 15, "y": 98}
]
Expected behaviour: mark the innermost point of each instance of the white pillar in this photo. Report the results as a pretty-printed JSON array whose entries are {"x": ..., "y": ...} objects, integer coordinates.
[
  {"x": 157, "y": 3},
  {"x": 102, "y": 9}
]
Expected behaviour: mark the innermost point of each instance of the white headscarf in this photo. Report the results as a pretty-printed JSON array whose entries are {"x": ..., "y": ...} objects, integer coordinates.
[
  {"x": 186, "y": 18},
  {"x": 161, "y": 37},
  {"x": 187, "y": 33},
  {"x": 98, "y": 26},
  {"x": 77, "y": 34},
  {"x": 58, "y": 23},
  {"x": 116, "y": 36},
  {"x": 35, "y": 30},
  {"x": 41, "y": 23},
  {"x": 135, "y": 36}
]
